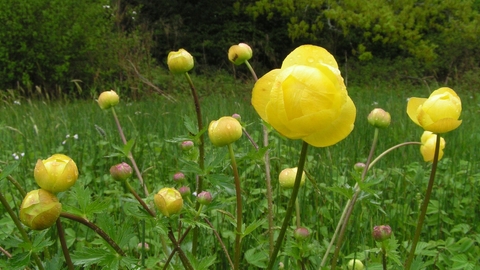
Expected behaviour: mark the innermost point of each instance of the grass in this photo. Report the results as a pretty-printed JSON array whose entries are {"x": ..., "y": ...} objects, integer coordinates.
[{"x": 37, "y": 129}]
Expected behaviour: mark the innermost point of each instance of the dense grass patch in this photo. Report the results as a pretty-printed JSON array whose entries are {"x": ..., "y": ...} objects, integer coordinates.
[{"x": 32, "y": 130}]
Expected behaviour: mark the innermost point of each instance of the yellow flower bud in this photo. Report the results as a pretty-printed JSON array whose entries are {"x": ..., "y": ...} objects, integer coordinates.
[
  {"x": 379, "y": 118},
  {"x": 287, "y": 178},
  {"x": 355, "y": 264},
  {"x": 40, "y": 209},
  {"x": 179, "y": 61},
  {"x": 240, "y": 53},
  {"x": 427, "y": 148},
  {"x": 307, "y": 98},
  {"x": 108, "y": 99},
  {"x": 224, "y": 131},
  {"x": 169, "y": 201},
  {"x": 56, "y": 174},
  {"x": 439, "y": 113}
]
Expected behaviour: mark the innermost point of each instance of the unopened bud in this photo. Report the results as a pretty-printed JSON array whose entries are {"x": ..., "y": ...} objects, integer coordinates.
[
  {"x": 204, "y": 198},
  {"x": 179, "y": 61},
  {"x": 56, "y": 173},
  {"x": 237, "y": 116},
  {"x": 169, "y": 201},
  {"x": 178, "y": 177},
  {"x": 145, "y": 246},
  {"x": 355, "y": 264},
  {"x": 379, "y": 118},
  {"x": 40, "y": 209},
  {"x": 287, "y": 178},
  {"x": 121, "y": 172},
  {"x": 240, "y": 53},
  {"x": 184, "y": 191},
  {"x": 224, "y": 131},
  {"x": 108, "y": 99},
  {"x": 186, "y": 145},
  {"x": 359, "y": 166},
  {"x": 301, "y": 233},
  {"x": 381, "y": 233}
]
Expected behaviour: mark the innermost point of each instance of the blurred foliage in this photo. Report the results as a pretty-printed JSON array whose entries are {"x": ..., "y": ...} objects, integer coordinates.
[{"x": 123, "y": 44}]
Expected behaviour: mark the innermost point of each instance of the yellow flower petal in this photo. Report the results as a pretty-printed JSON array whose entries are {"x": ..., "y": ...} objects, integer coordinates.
[
  {"x": 261, "y": 92},
  {"x": 309, "y": 55},
  {"x": 443, "y": 125},
  {"x": 413, "y": 105},
  {"x": 338, "y": 129}
]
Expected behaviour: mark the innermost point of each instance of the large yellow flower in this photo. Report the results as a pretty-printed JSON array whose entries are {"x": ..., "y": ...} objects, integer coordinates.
[
  {"x": 427, "y": 148},
  {"x": 439, "y": 113},
  {"x": 306, "y": 98}
]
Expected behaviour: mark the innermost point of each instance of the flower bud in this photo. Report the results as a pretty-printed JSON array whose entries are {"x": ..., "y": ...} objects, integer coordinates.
[
  {"x": 427, "y": 149},
  {"x": 56, "y": 174},
  {"x": 40, "y": 209},
  {"x": 287, "y": 177},
  {"x": 108, "y": 99},
  {"x": 204, "y": 198},
  {"x": 237, "y": 116},
  {"x": 185, "y": 191},
  {"x": 140, "y": 246},
  {"x": 240, "y": 53},
  {"x": 379, "y": 118},
  {"x": 301, "y": 233},
  {"x": 186, "y": 145},
  {"x": 179, "y": 61},
  {"x": 178, "y": 177},
  {"x": 121, "y": 172},
  {"x": 359, "y": 166},
  {"x": 224, "y": 131},
  {"x": 381, "y": 233},
  {"x": 169, "y": 201},
  {"x": 355, "y": 264}
]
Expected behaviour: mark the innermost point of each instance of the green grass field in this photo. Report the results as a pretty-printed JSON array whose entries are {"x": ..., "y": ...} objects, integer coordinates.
[{"x": 34, "y": 129}]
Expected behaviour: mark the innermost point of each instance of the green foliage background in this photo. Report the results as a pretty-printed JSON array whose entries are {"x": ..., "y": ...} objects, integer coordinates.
[{"x": 122, "y": 44}]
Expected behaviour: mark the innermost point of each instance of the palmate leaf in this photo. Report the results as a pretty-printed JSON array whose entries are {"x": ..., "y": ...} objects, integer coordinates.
[
  {"x": 250, "y": 228},
  {"x": 19, "y": 261},
  {"x": 203, "y": 264},
  {"x": 257, "y": 257},
  {"x": 86, "y": 207},
  {"x": 89, "y": 256}
]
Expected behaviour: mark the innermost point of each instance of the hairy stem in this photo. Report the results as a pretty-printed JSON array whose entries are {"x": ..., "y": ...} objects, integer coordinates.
[
  {"x": 221, "y": 243},
  {"x": 290, "y": 206},
  {"x": 144, "y": 205},
  {"x": 423, "y": 211},
  {"x": 181, "y": 254}
]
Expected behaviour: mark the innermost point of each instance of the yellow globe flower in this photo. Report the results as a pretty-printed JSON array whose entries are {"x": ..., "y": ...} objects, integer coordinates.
[
  {"x": 108, "y": 99},
  {"x": 306, "y": 98},
  {"x": 287, "y": 178},
  {"x": 179, "y": 61},
  {"x": 40, "y": 209},
  {"x": 427, "y": 148},
  {"x": 169, "y": 201},
  {"x": 240, "y": 53},
  {"x": 224, "y": 131},
  {"x": 56, "y": 173},
  {"x": 439, "y": 113}
]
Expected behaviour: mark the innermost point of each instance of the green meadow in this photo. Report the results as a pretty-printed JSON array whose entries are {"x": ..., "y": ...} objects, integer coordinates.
[{"x": 392, "y": 193}]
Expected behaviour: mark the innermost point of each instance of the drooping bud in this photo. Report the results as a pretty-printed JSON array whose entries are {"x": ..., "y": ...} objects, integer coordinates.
[
  {"x": 301, "y": 233},
  {"x": 287, "y": 178},
  {"x": 224, "y": 131},
  {"x": 381, "y": 233},
  {"x": 169, "y": 201},
  {"x": 237, "y": 116},
  {"x": 40, "y": 209},
  {"x": 108, "y": 99},
  {"x": 56, "y": 173},
  {"x": 359, "y": 166},
  {"x": 179, "y": 61},
  {"x": 355, "y": 264},
  {"x": 178, "y": 177},
  {"x": 240, "y": 53},
  {"x": 121, "y": 172},
  {"x": 204, "y": 198},
  {"x": 185, "y": 191},
  {"x": 186, "y": 145},
  {"x": 379, "y": 118}
]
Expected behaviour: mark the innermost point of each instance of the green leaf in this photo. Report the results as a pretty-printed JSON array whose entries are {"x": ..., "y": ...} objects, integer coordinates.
[
  {"x": 345, "y": 191},
  {"x": 250, "y": 228},
  {"x": 8, "y": 170},
  {"x": 20, "y": 260},
  {"x": 257, "y": 257},
  {"x": 190, "y": 124},
  {"x": 88, "y": 256},
  {"x": 40, "y": 241}
]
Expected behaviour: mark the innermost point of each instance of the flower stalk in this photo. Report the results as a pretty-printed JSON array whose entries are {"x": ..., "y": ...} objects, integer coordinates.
[
  {"x": 63, "y": 243},
  {"x": 423, "y": 211},
  {"x": 290, "y": 206},
  {"x": 238, "y": 193}
]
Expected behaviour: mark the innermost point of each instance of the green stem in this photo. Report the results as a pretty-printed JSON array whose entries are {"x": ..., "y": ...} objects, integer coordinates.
[
  {"x": 297, "y": 213},
  {"x": 17, "y": 185},
  {"x": 268, "y": 180},
  {"x": 63, "y": 243},
  {"x": 352, "y": 203},
  {"x": 221, "y": 243},
  {"x": 384, "y": 256},
  {"x": 238, "y": 191},
  {"x": 342, "y": 217},
  {"x": 423, "y": 212},
  {"x": 144, "y": 205},
  {"x": 201, "y": 155},
  {"x": 20, "y": 229},
  {"x": 130, "y": 155},
  {"x": 5, "y": 252},
  {"x": 96, "y": 229},
  {"x": 290, "y": 206},
  {"x": 251, "y": 70}
]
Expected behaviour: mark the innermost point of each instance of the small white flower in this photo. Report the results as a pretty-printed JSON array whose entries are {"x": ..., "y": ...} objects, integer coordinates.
[
  {"x": 64, "y": 142},
  {"x": 75, "y": 136},
  {"x": 374, "y": 103},
  {"x": 17, "y": 102},
  {"x": 22, "y": 154},
  {"x": 15, "y": 156},
  {"x": 134, "y": 12},
  {"x": 68, "y": 136},
  {"x": 194, "y": 193},
  {"x": 106, "y": 6}
]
